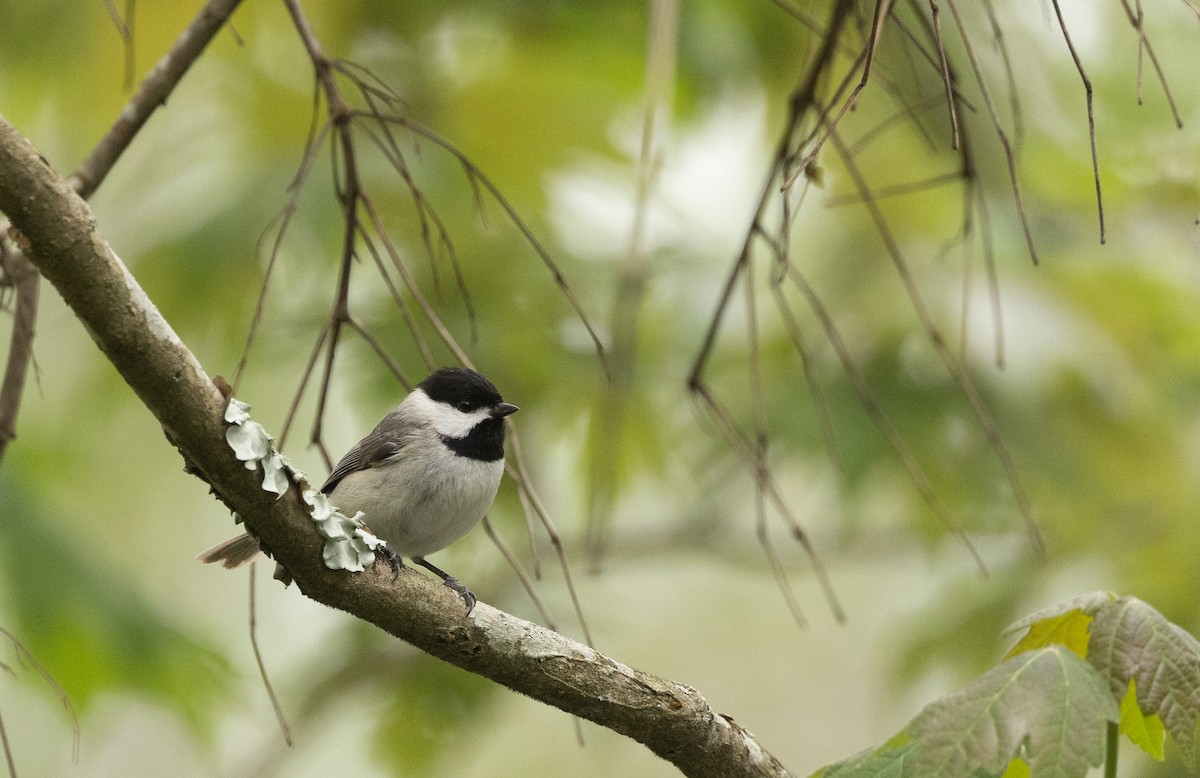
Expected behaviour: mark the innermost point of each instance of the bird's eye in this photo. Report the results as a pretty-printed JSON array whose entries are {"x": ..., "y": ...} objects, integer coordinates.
[{"x": 465, "y": 406}]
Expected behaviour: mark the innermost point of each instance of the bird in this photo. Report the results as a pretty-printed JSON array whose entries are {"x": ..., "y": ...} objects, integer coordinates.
[{"x": 423, "y": 478}]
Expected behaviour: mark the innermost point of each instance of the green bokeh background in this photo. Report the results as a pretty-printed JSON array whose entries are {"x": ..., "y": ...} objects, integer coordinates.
[{"x": 1097, "y": 398}]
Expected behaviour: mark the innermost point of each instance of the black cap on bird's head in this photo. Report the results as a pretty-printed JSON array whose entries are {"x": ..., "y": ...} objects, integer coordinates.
[{"x": 466, "y": 390}]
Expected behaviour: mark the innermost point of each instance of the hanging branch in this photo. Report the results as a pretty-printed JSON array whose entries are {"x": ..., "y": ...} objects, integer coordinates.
[
  {"x": 956, "y": 369},
  {"x": 1006, "y": 145},
  {"x": 803, "y": 100},
  {"x": 1136, "y": 19},
  {"x": 1087, "y": 89},
  {"x": 19, "y": 273},
  {"x": 947, "y": 81},
  {"x": 882, "y": 9}
]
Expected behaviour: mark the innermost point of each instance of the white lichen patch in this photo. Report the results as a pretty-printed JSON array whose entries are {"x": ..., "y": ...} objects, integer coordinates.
[{"x": 349, "y": 545}]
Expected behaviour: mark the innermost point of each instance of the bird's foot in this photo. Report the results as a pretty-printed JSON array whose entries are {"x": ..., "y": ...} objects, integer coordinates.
[
  {"x": 451, "y": 582},
  {"x": 385, "y": 554},
  {"x": 456, "y": 586}
]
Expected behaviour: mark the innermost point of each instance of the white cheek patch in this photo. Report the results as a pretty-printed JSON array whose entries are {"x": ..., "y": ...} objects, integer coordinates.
[{"x": 445, "y": 420}]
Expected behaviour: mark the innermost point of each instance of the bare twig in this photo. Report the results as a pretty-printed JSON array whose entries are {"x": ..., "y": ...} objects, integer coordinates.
[
  {"x": 765, "y": 482},
  {"x": 478, "y": 178},
  {"x": 1136, "y": 19},
  {"x": 882, "y": 8},
  {"x": 25, "y": 655},
  {"x": 955, "y": 368},
  {"x": 258, "y": 659},
  {"x": 898, "y": 190},
  {"x": 152, "y": 93},
  {"x": 316, "y": 135},
  {"x": 1009, "y": 155},
  {"x": 520, "y": 474},
  {"x": 828, "y": 434},
  {"x": 758, "y": 451},
  {"x": 802, "y": 102},
  {"x": 18, "y": 271},
  {"x": 947, "y": 82},
  {"x": 1087, "y": 88},
  {"x": 8, "y": 754},
  {"x": 1018, "y": 117}
]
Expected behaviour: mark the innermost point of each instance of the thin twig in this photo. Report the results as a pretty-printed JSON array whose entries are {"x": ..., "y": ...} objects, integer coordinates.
[
  {"x": 25, "y": 654},
  {"x": 744, "y": 449},
  {"x": 402, "y": 305},
  {"x": 1135, "y": 18},
  {"x": 993, "y": 280},
  {"x": 1018, "y": 117},
  {"x": 956, "y": 370},
  {"x": 317, "y": 133},
  {"x": 897, "y": 190},
  {"x": 305, "y": 375},
  {"x": 262, "y": 667},
  {"x": 882, "y": 7},
  {"x": 477, "y": 177},
  {"x": 759, "y": 446},
  {"x": 522, "y": 575},
  {"x": 517, "y": 470},
  {"x": 1087, "y": 88},
  {"x": 908, "y": 112},
  {"x": 152, "y": 93},
  {"x": 8, "y": 754},
  {"x": 1009, "y": 155},
  {"x": 15, "y": 269},
  {"x": 947, "y": 82},
  {"x": 802, "y": 100}
]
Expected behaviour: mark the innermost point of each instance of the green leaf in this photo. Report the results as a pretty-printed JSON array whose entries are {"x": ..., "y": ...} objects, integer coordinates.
[
  {"x": 1047, "y": 707},
  {"x": 1068, "y": 629},
  {"x": 893, "y": 760},
  {"x": 1146, "y": 732},
  {"x": 1134, "y": 643},
  {"x": 1089, "y": 604}
]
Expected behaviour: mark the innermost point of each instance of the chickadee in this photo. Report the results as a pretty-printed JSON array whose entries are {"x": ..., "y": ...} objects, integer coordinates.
[{"x": 423, "y": 477}]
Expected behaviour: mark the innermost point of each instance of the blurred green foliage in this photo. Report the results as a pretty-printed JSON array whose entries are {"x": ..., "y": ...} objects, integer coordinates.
[{"x": 1097, "y": 397}]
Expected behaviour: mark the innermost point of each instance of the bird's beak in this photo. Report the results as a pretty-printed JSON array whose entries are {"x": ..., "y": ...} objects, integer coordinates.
[{"x": 503, "y": 409}]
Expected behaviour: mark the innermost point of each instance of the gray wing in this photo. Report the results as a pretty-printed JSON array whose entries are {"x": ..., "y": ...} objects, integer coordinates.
[{"x": 384, "y": 443}]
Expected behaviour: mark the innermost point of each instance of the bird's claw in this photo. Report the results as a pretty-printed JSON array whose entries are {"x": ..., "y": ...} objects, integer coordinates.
[
  {"x": 385, "y": 554},
  {"x": 456, "y": 586}
]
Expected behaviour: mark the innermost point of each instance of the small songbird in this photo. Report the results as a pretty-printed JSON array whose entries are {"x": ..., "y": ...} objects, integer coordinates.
[{"x": 423, "y": 477}]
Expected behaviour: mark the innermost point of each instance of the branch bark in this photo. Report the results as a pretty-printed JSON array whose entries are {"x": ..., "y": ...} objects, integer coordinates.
[{"x": 671, "y": 719}]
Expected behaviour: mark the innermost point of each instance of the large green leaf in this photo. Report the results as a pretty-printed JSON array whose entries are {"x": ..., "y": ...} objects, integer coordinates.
[
  {"x": 1047, "y": 707},
  {"x": 1133, "y": 642},
  {"x": 891, "y": 761},
  {"x": 1040, "y": 714}
]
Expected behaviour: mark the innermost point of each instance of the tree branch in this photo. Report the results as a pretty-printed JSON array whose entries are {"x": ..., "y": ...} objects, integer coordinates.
[
  {"x": 152, "y": 93},
  {"x": 673, "y": 720},
  {"x": 23, "y": 276}
]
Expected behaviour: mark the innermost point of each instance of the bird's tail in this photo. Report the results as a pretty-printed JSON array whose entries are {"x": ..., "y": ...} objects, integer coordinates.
[{"x": 232, "y": 553}]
